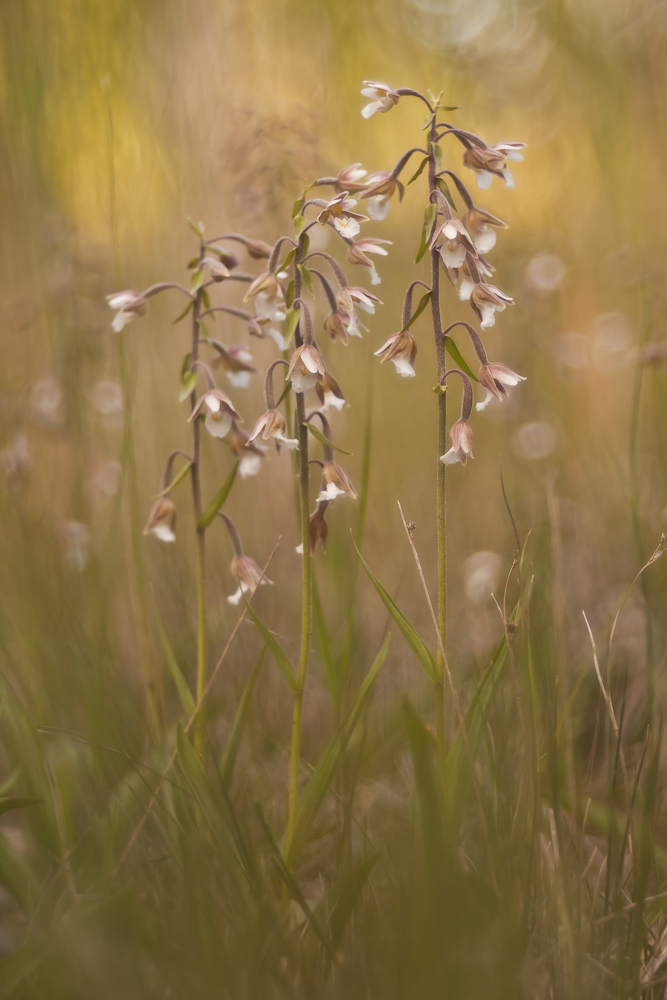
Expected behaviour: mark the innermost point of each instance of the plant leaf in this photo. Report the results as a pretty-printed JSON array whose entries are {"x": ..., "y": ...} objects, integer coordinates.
[
  {"x": 306, "y": 278},
  {"x": 323, "y": 439},
  {"x": 443, "y": 187},
  {"x": 196, "y": 227},
  {"x": 218, "y": 500},
  {"x": 323, "y": 775},
  {"x": 409, "y": 633},
  {"x": 300, "y": 223},
  {"x": 182, "y": 686},
  {"x": 184, "y": 313},
  {"x": 453, "y": 350},
  {"x": 274, "y": 648},
  {"x": 291, "y": 324},
  {"x": 175, "y": 481},
  {"x": 197, "y": 280},
  {"x": 430, "y": 213},
  {"x": 17, "y": 802},
  {"x": 228, "y": 759},
  {"x": 437, "y": 155},
  {"x": 418, "y": 171},
  {"x": 343, "y": 896},
  {"x": 418, "y": 311}
]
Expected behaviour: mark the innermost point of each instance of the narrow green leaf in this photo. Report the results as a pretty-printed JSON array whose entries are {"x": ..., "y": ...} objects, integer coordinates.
[
  {"x": 437, "y": 154},
  {"x": 17, "y": 802},
  {"x": 449, "y": 107},
  {"x": 175, "y": 481},
  {"x": 306, "y": 278},
  {"x": 197, "y": 280},
  {"x": 287, "y": 261},
  {"x": 218, "y": 500},
  {"x": 285, "y": 392},
  {"x": 323, "y": 775},
  {"x": 289, "y": 294},
  {"x": 206, "y": 298},
  {"x": 184, "y": 693},
  {"x": 188, "y": 384},
  {"x": 443, "y": 187},
  {"x": 196, "y": 227},
  {"x": 454, "y": 352},
  {"x": 429, "y": 218},
  {"x": 323, "y": 643},
  {"x": 418, "y": 171},
  {"x": 291, "y": 324},
  {"x": 300, "y": 223},
  {"x": 319, "y": 436},
  {"x": 184, "y": 313},
  {"x": 409, "y": 633},
  {"x": 193, "y": 263},
  {"x": 344, "y": 894},
  {"x": 305, "y": 244},
  {"x": 296, "y": 207},
  {"x": 419, "y": 310},
  {"x": 228, "y": 759},
  {"x": 428, "y": 121},
  {"x": 277, "y": 653}
]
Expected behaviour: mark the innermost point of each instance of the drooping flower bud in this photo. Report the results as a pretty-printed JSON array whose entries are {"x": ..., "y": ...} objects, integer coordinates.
[
  {"x": 335, "y": 483},
  {"x": 379, "y": 189},
  {"x": 330, "y": 393},
  {"x": 357, "y": 254},
  {"x": 318, "y": 529},
  {"x": 495, "y": 377},
  {"x": 402, "y": 350},
  {"x": 162, "y": 520},
  {"x": 272, "y": 424},
  {"x": 486, "y": 300},
  {"x": 306, "y": 368},
  {"x": 461, "y": 450}
]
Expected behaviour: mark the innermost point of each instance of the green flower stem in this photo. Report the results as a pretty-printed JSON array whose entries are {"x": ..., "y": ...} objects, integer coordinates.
[
  {"x": 440, "y": 495},
  {"x": 307, "y": 594},
  {"x": 201, "y": 532}
]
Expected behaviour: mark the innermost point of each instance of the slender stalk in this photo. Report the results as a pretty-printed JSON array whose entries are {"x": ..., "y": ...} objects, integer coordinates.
[
  {"x": 307, "y": 583},
  {"x": 440, "y": 483},
  {"x": 201, "y": 538}
]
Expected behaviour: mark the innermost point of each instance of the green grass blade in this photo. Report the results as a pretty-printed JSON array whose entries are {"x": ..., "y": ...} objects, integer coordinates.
[
  {"x": 277, "y": 653},
  {"x": 228, "y": 759},
  {"x": 182, "y": 686},
  {"x": 218, "y": 500},
  {"x": 409, "y": 633}
]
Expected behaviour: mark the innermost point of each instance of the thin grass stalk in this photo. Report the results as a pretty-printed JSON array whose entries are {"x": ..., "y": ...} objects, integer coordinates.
[
  {"x": 307, "y": 581},
  {"x": 201, "y": 532},
  {"x": 440, "y": 494},
  {"x": 153, "y": 693}
]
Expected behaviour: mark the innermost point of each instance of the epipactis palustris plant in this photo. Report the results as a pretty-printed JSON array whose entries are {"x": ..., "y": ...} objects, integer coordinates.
[
  {"x": 456, "y": 246},
  {"x": 276, "y": 311}
]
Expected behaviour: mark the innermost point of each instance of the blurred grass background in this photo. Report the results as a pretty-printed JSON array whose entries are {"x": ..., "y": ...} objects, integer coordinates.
[{"x": 120, "y": 119}]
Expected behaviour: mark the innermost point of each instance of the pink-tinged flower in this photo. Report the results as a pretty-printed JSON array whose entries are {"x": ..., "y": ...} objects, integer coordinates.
[
  {"x": 464, "y": 278},
  {"x": 378, "y": 190},
  {"x": 216, "y": 268},
  {"x": 162, "y": 520},
  {"x": 339, "y": 212},
  {"x": 482, "y": 226},
  {"x": 485, "y": 300},
  {"x": 272, "y": 424},
  {"x": 219, "y": 411},
  {"x": 357, "y": 254},
  {"x": 336, "y": 324},
  {"x": 235, "y": 360},
  {"x": 250, "y": 455},
  {"x": 330, "y": 393},
  {"x": 492, "y": 160},
  {"x": 495, "y": 377},
  {"x": 318, "y": 529},
  {"x": 335, "y": 483},
  {"x": 383, "y": 98},
  {"x": 306, "y": 368},
  {"x": 269, "y": 296},
  {"x": 461, "y": 450},
  {"x": 453, "y": 242},
  {"x": 402, "y": 350},
  {"x": 129, "y": 305},
  {"x": 249, "y": 576},
  {"x": 350, "y": 177}
]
